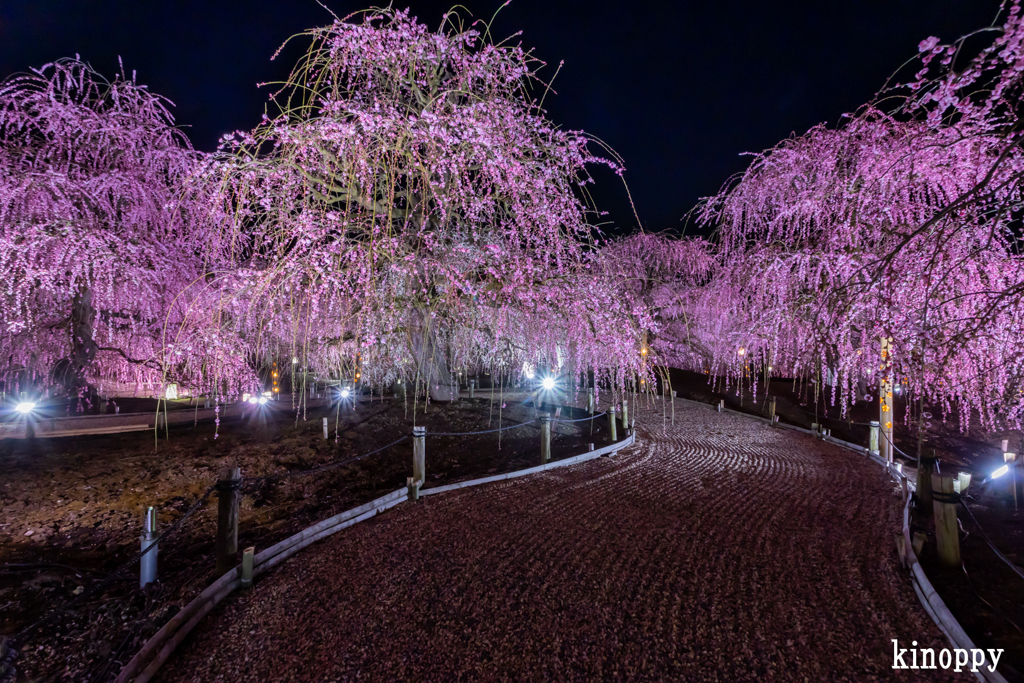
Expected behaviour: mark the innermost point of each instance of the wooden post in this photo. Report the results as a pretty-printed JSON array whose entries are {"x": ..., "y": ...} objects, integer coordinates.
[
  {"x": 472, "y": 387},
  {"x": 611, "y": 424},
  {"x": 925, "y": 469},
  {"x": 228, "y": 495},
  {"x": 885, "y": 416},
  {"x": 771, "y": 410},
  {"x": 419, "y": 454},
  {"x": 545, "y": 438},
  {"x": 590, "y": 401},
  {"x": 947, "y": 532},
  {"x": 413, "y": 487},
  {"x": 873, "y": 438},
  {"x": 147, "y": 564},
  {"x": 247, "y": 560},
  {"x": 625, "y": 418}
]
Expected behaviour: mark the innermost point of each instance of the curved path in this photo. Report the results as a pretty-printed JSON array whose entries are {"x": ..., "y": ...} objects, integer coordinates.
[{"x": 725, "y": 550}]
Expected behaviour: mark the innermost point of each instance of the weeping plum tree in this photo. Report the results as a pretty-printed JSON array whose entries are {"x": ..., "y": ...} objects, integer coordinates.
[
  {"x": 664, "y": 277},
  {"x": 896, "y": 228},
  {"x": 411, "y": 210},
  {"x": 102, "y": 234}
]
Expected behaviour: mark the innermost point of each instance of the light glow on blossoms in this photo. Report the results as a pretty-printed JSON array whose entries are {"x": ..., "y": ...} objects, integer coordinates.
[
  {"x": 898, "y": 224},
  {"x": 416, "y": 214}
]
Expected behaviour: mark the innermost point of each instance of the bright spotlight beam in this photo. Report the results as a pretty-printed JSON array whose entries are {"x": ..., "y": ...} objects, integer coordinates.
[
  {"x": 263, "y": 400},
  {"x": 1001, "y": 471},
  {"x": 548, "y": 383},
  {"x": 25, "y": 407},
  {"x": 344, "y": 393}
]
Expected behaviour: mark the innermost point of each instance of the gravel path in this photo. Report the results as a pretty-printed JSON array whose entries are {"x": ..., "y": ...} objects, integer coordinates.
[{"x": 723, "y": 551}]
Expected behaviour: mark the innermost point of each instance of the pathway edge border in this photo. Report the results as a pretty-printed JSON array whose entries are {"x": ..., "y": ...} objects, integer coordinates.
[{"x": 576, "y": 459}]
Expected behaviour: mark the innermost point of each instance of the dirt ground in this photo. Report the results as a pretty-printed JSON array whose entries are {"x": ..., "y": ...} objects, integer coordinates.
[{"x": 72, "y": 507}]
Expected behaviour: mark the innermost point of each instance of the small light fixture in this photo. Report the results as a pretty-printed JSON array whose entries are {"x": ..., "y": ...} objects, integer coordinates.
[
  {"x": 1001, "y": 471},
  {"x": 741, "y": 351},
  {"x": 294, "y": 360},
  {"x": 263, "y": 400},
  {"x": 548, "y": 383},
  {"x": 25, "y": 407},
  {"x": 1009, "y": 457},
  {"x": 344, "y": 393},
  {"x": 253, "y": 400}
]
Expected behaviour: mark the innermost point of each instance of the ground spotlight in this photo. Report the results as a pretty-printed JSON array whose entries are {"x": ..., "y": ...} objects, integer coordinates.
[
  {"x": 344, "y": 393},
  {"x": 1001, "y": 471},
  {"x": 253, "y": 400},
  {"x": 25, "y": 407},
  {"x": 548, "y": 383},
  {"x": 263, "y": 400}
]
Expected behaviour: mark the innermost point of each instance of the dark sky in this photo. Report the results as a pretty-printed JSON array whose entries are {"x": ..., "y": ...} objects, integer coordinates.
[{"x": 679, "y": 89}]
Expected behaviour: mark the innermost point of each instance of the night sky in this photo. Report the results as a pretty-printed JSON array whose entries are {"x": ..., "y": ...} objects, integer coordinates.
[{"x": 679, "y": 90}]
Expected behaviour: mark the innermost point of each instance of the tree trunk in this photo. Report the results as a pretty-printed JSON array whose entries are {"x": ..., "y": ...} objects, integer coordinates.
[
  {"x": 431, "y": 358},
  {"x": 70, "y": 372}
]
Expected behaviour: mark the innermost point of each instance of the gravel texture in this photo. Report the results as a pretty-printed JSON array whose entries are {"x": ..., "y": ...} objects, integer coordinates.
[{"x": 724, "y": 551}]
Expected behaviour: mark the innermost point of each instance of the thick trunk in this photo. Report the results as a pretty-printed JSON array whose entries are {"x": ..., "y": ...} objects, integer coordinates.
[
  {"x": 70, "y": 372},
  {"x": 83, "y": 347},
  {"x": 431, "y": 358}
]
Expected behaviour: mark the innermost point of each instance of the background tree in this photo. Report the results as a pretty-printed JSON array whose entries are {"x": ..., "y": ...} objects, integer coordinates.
[
  {"x": 411, "y": 204},
  {"x": 899, "y": 224},
  {"x": 103, "y": 232}
]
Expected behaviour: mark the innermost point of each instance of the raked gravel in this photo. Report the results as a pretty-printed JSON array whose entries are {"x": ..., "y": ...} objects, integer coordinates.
[{"x": 723, "y": 550}]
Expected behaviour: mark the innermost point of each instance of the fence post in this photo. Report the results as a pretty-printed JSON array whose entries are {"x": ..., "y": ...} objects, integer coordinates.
[
  {"x": 413, "y": 487},
  {"x": 625, "y": 418},
  {"x": 721, "y": 404},
  {"x": 947, "y": 533},
  {"x": 545, "y": 438},
  {"x": 771, "y": 410},
  {"x": 925, "y": 469},
  {"x": 611, "y": 424},
  {"x": 873, "y": 442},
  {"x": 228, "y": 495},
  {"x": 325, "y": 428},
  {"x": 147, "y": 565},
  {"x": 419, "y": 454},
  {"x": 673, "y": 407},
  {"x": 590, "y": 401},
  {"x": 472, "y": 388},
  {"x": 247, "y": 559}
]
